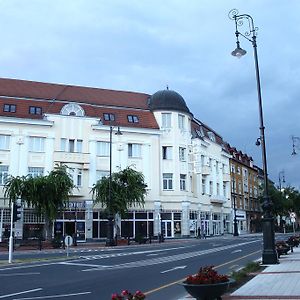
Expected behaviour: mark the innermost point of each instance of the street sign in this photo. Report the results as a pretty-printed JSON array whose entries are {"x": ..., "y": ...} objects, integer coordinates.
[
  {"x": 292, "y": 215},
  {"x": 68, "y": 240},
  {"x": 293, "y": 220}
]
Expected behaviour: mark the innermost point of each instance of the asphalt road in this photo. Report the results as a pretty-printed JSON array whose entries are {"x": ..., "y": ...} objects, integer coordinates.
[{"x": 155, "y": 269}]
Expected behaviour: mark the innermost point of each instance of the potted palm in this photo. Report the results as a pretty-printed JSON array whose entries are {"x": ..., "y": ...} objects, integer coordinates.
[{"x": 207, "y": 284}]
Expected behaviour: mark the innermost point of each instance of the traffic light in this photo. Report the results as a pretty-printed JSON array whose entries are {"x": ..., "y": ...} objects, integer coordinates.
[{"x": 17, "y": 211}]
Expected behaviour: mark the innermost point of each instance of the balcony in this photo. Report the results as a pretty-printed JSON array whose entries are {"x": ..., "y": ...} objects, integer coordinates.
[
  {"x": 226, "y": 177},
  {"x": 205, "y": 170},
  {"x": 72, "y": 157},
  {"x": 217, "y": 199}
]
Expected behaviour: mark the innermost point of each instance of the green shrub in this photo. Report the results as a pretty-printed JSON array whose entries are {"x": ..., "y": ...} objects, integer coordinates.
[{"x": 56, "y": 242}]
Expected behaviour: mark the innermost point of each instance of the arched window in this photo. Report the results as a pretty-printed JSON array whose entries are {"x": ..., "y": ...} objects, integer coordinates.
[{"x": 72, "y": 109}]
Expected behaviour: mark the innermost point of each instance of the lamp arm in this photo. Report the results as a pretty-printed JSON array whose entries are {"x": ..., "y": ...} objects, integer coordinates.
[{"x": 239, "y": 21}]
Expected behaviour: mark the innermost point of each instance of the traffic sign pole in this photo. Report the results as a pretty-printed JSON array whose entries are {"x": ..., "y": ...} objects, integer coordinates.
[{"x": 10, "y": 247}]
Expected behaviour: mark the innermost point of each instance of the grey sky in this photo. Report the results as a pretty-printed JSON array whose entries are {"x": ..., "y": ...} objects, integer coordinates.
[{"x": 142, "y": 46}]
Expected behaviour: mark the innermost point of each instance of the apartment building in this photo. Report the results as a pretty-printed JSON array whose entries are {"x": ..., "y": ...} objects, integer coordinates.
[
  {"x": 245, "y": 191},
  {"x": 185, "y": 163}
]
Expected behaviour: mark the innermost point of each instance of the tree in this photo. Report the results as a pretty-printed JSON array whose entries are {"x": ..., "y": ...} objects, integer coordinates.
[
  {"x": 47, "y": 194},
  {"x": 127, "y": 189}
]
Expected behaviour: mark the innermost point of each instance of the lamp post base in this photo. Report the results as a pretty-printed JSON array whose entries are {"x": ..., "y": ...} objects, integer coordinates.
[
  {"x": 235, "y": 229},
  {"x": 269, "y": 254},
  {"x": 110, "y": 241}
]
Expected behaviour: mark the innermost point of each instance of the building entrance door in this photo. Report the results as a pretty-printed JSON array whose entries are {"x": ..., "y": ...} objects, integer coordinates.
[{"x": 166, "y": 228}]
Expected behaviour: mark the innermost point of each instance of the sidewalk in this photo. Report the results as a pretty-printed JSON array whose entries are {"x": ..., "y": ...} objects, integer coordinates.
[{"x": 280, "y": 281}]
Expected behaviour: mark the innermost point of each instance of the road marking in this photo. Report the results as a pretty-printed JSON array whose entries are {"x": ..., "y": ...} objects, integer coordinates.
[
  {"x": 233, "y": 266},
  {"x": 55, "y": 296},
  {"x": 173, "y": 269},
  {"x": 236, "y": 251},
  {"x": 82, "y": 265},
  {"x": 30, "y": 266},
  {"x": 182, "y": 279},
  {"x": 20, "y": 274},
  {"x": 20, "y": 293},
  {"x": 165, "y": 259}
]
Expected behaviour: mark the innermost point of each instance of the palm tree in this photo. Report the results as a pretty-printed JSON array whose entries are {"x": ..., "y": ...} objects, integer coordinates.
[{"x": 47, "y": 194}]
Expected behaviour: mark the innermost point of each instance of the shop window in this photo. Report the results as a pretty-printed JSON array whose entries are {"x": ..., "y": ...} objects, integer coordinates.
[{"x": 141, "y": 215}]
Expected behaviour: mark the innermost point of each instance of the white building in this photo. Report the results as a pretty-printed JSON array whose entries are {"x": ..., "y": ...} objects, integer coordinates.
[{"x": 184, "y": 162}]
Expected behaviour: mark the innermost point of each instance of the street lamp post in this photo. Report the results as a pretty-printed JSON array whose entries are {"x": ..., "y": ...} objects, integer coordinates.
[
  {"x": 110, "y": 230},
  {"x": 295, "y": 140},
  {"x": 281, "y": 180},
  {"x": 269, "y": 254}
]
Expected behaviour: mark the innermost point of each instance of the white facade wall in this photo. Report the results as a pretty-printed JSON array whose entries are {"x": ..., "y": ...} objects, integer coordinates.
[{"x": 175, "y": 212}]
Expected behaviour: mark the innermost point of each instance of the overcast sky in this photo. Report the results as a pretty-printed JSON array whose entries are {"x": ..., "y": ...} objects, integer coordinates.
[{"x": 143, "y": 46}]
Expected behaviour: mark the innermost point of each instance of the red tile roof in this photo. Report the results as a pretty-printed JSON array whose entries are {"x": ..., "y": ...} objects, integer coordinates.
[{"x": 95, "y": 101}]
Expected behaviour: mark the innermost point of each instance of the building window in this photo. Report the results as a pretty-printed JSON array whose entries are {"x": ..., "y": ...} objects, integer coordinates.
[
  {"x": 217, "y": 167},
  {"x": 70, "y": 145},
  {"x": 182, "y": 154},
  {"x": 167, "y": 181},
  {"x": 34, "y": 110},
  {"x": 210, "y": 187},
  {"x": 167, "y": 152},
  {"x": 72, "y": 109},
  {"x": 166, "y": 120},
  {"x": 35, "y": 171},
  {"x": 224, "y": 189},
  {"x": 76, "y": 175},
  {"x": 101, "y": 174},
  {"x": 232, "y": 169},
  {"x": 109, "y": 117},
  {"x": 218, "y": 189},
  {"x": 103, "y": 148},
  {"x": 182, "y": 182},
  {"x": 203, "y": 186},
  {"x": 3, "y": 174},
  {"x": 36, "y": 144},
  {"x": 202, "y": 160},
  {"x": 211, "y": 136},
  {"x": 134, "y": 150},
  {"x": 181, "y": 120},
  {"x": 4, "y": 142},
  {"x": 79, "y": 178},
  {"x": 132, "y": 119},
  {"x": 9, "y": 108}
]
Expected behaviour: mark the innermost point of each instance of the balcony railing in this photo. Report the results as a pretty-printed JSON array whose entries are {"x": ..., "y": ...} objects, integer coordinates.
[
  {"x": 217, "y": 199},
  {"x": 71, "y": 157}
]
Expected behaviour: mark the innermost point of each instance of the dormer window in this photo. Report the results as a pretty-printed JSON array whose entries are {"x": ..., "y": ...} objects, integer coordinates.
[
  {"x": 72, "y": 109},
  {"x": 9, "y": 108},
  {"x": 34, "y": 110},
  {"x": 132, "y": 119},
  {"x": 109, "y": 117},
  {"x": 211, "y": 136}
]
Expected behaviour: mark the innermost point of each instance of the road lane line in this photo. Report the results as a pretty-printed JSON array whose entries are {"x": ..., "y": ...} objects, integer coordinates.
[
  {"x": 20, "y": 293},
  {"x": 82, "y": 264},
  {"x": 55, "y": 296},
  {"x": 20, "y": 274},
  {"x": 182, "y": 279}
]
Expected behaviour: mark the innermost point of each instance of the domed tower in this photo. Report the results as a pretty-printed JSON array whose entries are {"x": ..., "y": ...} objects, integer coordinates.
[
  {"x": 174, "y": 119},
  {"x": 168, "y": 100}
]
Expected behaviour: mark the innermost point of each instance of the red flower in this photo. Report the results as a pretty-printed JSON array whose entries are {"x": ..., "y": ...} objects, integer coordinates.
[{"x": 206, "y": 275}]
